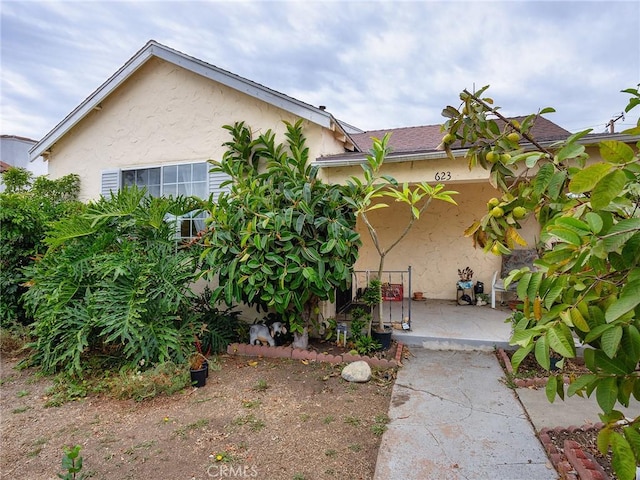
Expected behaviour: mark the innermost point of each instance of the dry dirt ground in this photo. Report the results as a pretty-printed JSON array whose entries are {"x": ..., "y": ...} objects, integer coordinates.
[{"x": 256, "y": 418}]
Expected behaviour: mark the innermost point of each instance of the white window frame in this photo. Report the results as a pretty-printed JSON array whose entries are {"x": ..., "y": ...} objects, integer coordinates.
[{"x": 111, "y": 182}]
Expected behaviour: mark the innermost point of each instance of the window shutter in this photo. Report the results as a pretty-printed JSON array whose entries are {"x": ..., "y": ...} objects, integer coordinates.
[
  {"x": 215, "y": 179},
  {"x": 110, "y": 182}
]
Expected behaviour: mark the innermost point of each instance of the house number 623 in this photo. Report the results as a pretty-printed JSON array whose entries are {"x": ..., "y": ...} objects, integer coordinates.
[{"x": 443, "y": 176}]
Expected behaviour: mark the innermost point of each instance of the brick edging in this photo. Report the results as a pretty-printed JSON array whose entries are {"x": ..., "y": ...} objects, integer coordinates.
[
  {"x": 573, "y": 463},
  {"x": 525, "y": 382},
  {"x": 299, "y": 354}
]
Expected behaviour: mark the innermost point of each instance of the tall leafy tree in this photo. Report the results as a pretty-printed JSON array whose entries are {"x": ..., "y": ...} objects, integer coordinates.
[
  {"x": 370, "y": 193},
  {"x": 281, "y": 238},
  {"x": 587, "y": 283},
  {"x": 26, "y": 207}
]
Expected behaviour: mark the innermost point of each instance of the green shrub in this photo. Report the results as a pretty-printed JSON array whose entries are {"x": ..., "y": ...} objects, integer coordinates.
[
  {"x": 216, "y": 328},
  {"x": 26, "y": 206},
  {"x": 113, "y": 280}
]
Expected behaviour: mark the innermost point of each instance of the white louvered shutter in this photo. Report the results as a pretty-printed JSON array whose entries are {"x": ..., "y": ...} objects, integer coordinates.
[
  {"x": 215, "y": 179},
  {"x": 110, "y": 182}
]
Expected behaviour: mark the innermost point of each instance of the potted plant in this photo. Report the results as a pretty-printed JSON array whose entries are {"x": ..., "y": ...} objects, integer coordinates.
[{"x": 198, "y": 369}]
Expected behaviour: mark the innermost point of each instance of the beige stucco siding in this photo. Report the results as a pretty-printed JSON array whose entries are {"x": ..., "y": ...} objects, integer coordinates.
[
  {"x": 436, "y": 247},
  {"x": 166, "y": 114}
]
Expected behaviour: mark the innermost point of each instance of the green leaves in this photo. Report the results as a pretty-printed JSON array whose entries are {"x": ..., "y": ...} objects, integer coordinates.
[
  {"x": 587, "y": 287},
  {"x": 292, "y": 236}
]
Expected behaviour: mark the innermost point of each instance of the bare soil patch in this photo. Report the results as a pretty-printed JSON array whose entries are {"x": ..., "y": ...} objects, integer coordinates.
[{"x": 266, "y": 418}]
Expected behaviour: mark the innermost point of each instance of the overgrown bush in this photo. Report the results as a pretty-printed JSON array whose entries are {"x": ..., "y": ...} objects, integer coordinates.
[
  {"x": 113, "y": 281},
  {"x": 216, "y": 328},
  {"x": 26, "y": 207}
]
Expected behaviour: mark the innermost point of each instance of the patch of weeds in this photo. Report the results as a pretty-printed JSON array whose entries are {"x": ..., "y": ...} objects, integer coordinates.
[
  {"x": 305, "y": 417},
  {"x": 22, "y": 393},
  {"x": 299, "y": 476},
  {"x": 352, "y": 387},
  {"x": 4, "y": 380},
  {"x": 224, "y": 457},
  {"x": 330, "y": 471},
  {"x": 355, "y": 447},
  {"x": 328, "y": 419},
  {"x": 166, "y": 378},
  {"x": 331, "y": 452},
  {"x": 182, "y": 432},
  {"x": 66, "y": 389},
  {"x": 140, "y": 446},
  {"x": 351, "y": 420},
  {"x": 251, "y": 403},
  {"x": 255, "y": 424},
  {"x": 380, "y": 424},
  {"x": 509, "y": 381},
  {"x": 202, "y": 400},
  {"x": 38, "y": 444},
  {"x": 261, "y": 386},
  {"x": 20, "y": 409}
]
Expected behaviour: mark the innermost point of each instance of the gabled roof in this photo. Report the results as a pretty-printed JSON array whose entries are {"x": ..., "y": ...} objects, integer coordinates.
[{"x": 155, "y": 49}]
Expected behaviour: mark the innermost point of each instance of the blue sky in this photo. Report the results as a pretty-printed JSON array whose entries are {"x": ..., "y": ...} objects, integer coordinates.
[{"x": 373, "y": 64}]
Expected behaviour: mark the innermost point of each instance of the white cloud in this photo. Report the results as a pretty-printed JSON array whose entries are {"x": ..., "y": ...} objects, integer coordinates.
[{"x": 373, "y": 64}]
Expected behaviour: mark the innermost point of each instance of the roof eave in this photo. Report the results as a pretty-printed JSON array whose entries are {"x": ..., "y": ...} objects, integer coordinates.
[
  {"x": 458, "y": 152},
  {"x": 154, "y": 49}
]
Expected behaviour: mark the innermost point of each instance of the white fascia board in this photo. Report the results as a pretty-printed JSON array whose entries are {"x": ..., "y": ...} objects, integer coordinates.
[
  {"x": 90, "y": 102},
  {"x": 253, "y": 89},
  {"x": 154, "y": 49}
]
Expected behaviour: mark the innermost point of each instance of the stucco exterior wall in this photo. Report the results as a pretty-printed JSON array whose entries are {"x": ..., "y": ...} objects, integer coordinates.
[
  {"x": 436, "y": 246},
  {"x": 166, "y": 114}
]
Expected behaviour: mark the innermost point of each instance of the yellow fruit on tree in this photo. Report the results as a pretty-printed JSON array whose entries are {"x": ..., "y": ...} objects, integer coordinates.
[
  {"x": 505, "y": 157},
  {"x": 497, "y": 212},
  {"x": 519, "y": 212},
  {"x": 513, "y": 137},
  {"x": 492, "y": 157},
  {"x": 448, "y": 138},
  {"x": 494, "y": 202}
]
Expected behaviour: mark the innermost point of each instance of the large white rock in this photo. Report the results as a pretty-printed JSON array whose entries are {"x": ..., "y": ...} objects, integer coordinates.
[{"x": 359, "y": 371}]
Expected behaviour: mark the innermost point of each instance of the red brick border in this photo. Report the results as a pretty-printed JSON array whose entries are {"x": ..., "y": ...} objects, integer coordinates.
[
  {"x": 573, "y": 463},
  {"x": 298, "y": 354}
]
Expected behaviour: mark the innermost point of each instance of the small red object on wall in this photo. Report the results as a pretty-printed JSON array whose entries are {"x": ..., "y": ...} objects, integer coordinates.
[{"x": 392, "y": 292}]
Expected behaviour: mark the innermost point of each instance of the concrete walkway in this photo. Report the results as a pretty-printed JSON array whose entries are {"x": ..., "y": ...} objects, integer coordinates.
[{"x": 451, "y": 418}]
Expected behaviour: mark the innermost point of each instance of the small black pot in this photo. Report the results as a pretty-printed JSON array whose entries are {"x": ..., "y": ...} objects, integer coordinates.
[
  {"x": 384, "y": 338},
  {"x": 199, "y": 377},
  {"x": 205, "y": 365}
]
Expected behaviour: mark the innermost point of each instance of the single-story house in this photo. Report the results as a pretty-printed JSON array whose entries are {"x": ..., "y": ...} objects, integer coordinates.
[{"x": 158, "y": 119}]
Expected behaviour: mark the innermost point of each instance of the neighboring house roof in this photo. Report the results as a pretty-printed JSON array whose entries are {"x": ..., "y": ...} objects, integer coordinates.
[
  {"x": 154, "y": 49},
  {"x": 4, "y": 166}
]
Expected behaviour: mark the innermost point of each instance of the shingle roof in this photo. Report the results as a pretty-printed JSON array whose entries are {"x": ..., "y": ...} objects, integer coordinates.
[{"x": 428, "y": 137}]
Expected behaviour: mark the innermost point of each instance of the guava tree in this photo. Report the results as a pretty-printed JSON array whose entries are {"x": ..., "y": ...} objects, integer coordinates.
[
  {"x": 370, "y": 193},
  {"x": 280, "y": 238},
  {"x": 587, "y": 280}
]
